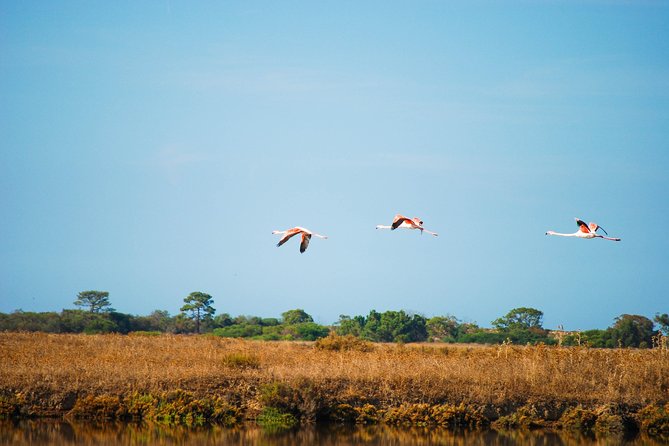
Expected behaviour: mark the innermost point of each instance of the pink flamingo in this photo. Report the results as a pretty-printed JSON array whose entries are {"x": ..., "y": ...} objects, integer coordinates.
[
  {"x": 306, "y": 236},
  {"x": 401, "y": 221},
  {"x": 585, "y": 231}
]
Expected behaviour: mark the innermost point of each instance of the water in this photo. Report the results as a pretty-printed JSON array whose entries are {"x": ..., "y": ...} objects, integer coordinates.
[{"x": 41, "y": 432}]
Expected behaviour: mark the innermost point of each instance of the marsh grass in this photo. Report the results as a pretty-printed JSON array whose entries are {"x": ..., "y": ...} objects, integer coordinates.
[
  {"x": 55, "y": 374},
  {"x": 335, "y": 342},
  {"x": 241, "y": 361}
]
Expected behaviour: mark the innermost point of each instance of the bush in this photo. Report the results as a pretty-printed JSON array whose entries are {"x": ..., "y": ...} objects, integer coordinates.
[
  {"x": 273, "y": 419},
  {"x": 279, "y": 396},
  {"x": 482, "y": 337},
  {"x": 578, "y": 418},
  {"x": 100, "y": 407},
  {"x": 654, "y": 419},
  {"x": 238, "y": 331},
  {"x": 310, "y": 331},
  {"x": 241, "y": 361},
  {"x": 334, "y": 342},
  {"x": 442, "y": 414},
  {"x": 8, "y": 407},
  {"x": 180, "y": 407}
]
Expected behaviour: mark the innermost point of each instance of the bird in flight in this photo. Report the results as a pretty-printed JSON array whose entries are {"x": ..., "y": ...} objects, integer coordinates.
[
  {"x": 585, "y": 231},
  {"x": 306, "y": 236},
  {"x": 401, "y": 221}
]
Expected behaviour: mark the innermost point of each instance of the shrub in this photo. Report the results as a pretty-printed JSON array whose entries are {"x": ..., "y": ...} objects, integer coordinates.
[
  {"x": 335, "y": 342},
  {"x": 180, "y": 407},
  {"x": 241, "y": 361},
  {"x": 310, "y": 331},
  {"x": 238, "y": 331},
  {"x": 279, "y": 396},
  {"x": 273, "y": 419},
  {"x": 8, "y": 407},
  {"x": 368, "y": 414},
  {"x": 526, "y": 417},
  {"x": 609, "y": 422},
  {"x": 97, "y": 407},
  {"x": 140, "y": 405},
  {"x": 654, "y": 419},
  {"x": 578, "y": 418},
  {"x": 441, "y": 414},
  {"x": 342, "y": 413},
  {"x": 482, "y": 337}
]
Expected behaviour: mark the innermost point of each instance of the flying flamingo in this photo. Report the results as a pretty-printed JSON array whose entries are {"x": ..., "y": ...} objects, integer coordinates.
[
  {"x": 306, "y": 236},
  {"x": 401, "y": 221},
  {"x": 585, "y": 231}
]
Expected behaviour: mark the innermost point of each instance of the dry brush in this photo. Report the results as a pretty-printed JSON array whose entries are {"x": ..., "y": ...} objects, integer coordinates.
[{"x": 47, "y": 374}]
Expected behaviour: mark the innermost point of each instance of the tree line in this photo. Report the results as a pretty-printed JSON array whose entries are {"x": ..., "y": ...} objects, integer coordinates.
[{"x": 519, "y": 326}]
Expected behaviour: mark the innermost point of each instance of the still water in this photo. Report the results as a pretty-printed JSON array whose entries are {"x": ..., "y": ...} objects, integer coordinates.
[{"x": 40, "y": 432}]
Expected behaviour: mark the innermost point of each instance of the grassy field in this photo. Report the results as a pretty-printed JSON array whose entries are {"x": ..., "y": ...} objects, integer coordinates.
[{"x": 43, "y": 374}]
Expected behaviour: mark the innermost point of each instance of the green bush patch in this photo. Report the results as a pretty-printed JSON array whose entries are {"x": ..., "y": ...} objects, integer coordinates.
[{"x": 273, "y": 419}]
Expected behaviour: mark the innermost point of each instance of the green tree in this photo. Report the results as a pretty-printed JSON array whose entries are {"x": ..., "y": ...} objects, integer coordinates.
[
  {"x": 371, "y": 329},
  {"x": 481, "y": 336},
  {"x": 182, "y": 323},
  {"x": 519, "y": 318},
  {"x": 160, "y": 320},
  {"x": 270, "y": 322},
  {"x": 199, "y": 306},
  {"x": 443, "y": 328},
  {"x": 20, "y": 320},
  {"x": 598, "y": 338},
  {"x": 398, "y": 326},
  {"x": 81, "y": 321},
  {"x": 663, "y": 321},
  {"x": 522, "y": 326},
  {"x": 255, "y": 320},
  {"x": 632, "y": 330},
  {"x": 310, "y": 331},
  {"x": 241, "y": 319},
  {"x": 99, "y": 323},
  {"x": 96, "y": 301},
  {"x": 350, "y": 326},
  {"x": 73, "y": 321},
  {"x": 239, "y": 331},
  {"x": 390, "y": 326},
  {"x": 298, "y": 316},
  {"x": 122, "y": 322},
  {"x": 223, "y": 320}
]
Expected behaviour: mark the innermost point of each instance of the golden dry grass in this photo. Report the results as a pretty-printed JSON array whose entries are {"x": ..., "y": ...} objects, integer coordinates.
[{"x": 47, "y": 364}]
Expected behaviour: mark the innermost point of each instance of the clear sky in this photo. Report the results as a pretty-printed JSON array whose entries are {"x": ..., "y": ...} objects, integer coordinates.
[{"x": 149, "y": 149}]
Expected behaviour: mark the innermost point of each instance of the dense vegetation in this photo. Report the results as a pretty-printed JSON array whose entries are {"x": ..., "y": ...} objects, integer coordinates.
[
  {"x": 519, "y": 326},
  {"x": 192, "y": 380}
]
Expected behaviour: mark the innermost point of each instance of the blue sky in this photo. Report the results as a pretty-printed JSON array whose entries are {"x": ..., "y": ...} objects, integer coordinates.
[{"x": 150, "y": 148}]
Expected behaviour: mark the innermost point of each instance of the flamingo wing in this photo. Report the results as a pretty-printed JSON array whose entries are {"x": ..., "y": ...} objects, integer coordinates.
[
  {"x": 399, "y": 219},
  {"x": 305, "y": 241},
  {"x": 583, "y": 227},
  {"x": 289, "y": 234}
]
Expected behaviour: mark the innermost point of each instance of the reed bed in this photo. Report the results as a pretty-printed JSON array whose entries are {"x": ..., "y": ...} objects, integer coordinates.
[{"x": 50, "y": 372}]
